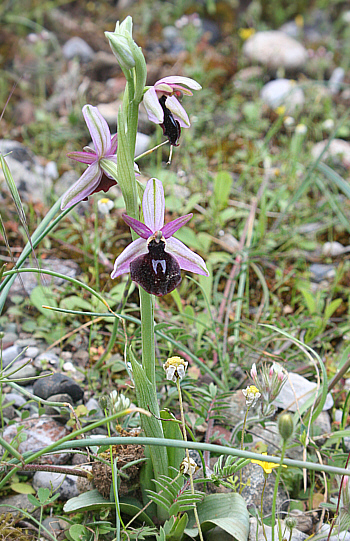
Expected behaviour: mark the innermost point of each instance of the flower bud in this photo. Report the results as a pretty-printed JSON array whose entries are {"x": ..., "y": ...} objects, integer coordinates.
[
  {"x": 285, "y": 426},
  {"x": 291, "y": 522},
  {"x": 121, "y": 49},
  {"x": 103, "y": 402}
]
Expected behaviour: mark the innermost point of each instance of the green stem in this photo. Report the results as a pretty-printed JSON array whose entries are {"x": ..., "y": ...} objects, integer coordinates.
[
  {"x": 188, "y": 457},
  {"x": 261, "y": 506},
  {"x": 148, "y": 336},
  {"x": 242, "y": 446},
  {"x": 274, "y": 499}
]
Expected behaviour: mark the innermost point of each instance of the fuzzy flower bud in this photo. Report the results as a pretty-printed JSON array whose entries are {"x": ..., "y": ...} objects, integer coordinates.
[
  {"x": 285, "y": 426},
  {"x": 291, "y": 523},
  {"x": 175, "y": 368}
]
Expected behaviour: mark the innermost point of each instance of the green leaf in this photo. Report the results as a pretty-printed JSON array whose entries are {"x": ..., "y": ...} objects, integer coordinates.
[
  {"x": 33, "y": 500},
  {"x": 331, "y": 308},
  {"x": 172, "y": 431},
  {"x": 222, "y": 188},
  {"x": 43, "y": 295},
  {"x": 78, "y": 532},
  {"x": 23, "y": 488},
  {"x": 228, "y": 511},
  {"x": 87, "y": 501}
]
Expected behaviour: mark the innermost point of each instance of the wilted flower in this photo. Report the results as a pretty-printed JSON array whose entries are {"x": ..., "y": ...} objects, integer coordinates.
[
  {"x": 95, "y": 178},
  {"x": 175, "y": 368},
  {"x": 188, "y": 466},
  {"x": 105, "y": 205},
  {"x": 154, "y": 260},
  {"x": 252, "y": 395},
  {"x": 269, "y": 380},
  {"x": 163, "y": 107}
]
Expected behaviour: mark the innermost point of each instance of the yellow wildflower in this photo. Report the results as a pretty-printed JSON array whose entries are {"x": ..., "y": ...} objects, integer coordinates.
[
  {"x": 266, "y": 466},
  {"x": 245, "y": 33}
]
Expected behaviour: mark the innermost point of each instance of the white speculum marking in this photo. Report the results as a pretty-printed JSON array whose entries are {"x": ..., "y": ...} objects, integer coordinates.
[{"x": 162, "y": 264}]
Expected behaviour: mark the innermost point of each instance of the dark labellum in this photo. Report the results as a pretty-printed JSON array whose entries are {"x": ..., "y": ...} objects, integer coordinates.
[
  {"x": 171, "y": 127},
  {"x": 157, "y": 272}
]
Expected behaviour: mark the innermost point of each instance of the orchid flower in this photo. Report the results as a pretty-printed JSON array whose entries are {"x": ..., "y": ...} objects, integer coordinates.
[
  {"x": 96, "y": 177},
  {"x": 154, "y": 260},
  {"x": 163, "y": 107}
]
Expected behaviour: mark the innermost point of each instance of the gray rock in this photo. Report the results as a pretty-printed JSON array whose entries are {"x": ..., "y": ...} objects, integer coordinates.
[
  {"x": 66, "y": 485},
  {"x": 296, "y": 534},
  {"x": 30, "y": 180},
  {"x": 336, "y": 80},
  {"x": 28, "y": 371},
  {"x": 109, "y": 111},
  {"x": 9, "y": 354},
  {"x": 304, "y": 521},
  {"x": 56, "y": 526},
  {"x": 252, "y": 493},
  {"x": 173, "y": 43},
  {"x": 58, "y": 413},
  {"x": 32, "y": 280},
  {"x": 291, "y": 29},
  {"x": 40, "y": 432},
  {"x": 21, "y": 502},
  {"x": 303, "y": 389},
  {"x": 77, "y": 47},
  {"x": 51, "y": 170},
  {"x": 320, "y": 272},
  {"x": 92, "y": 404},
  {"x": 46, "y": 358},
  {"x": 18, "y": 399},
  {"x": 32, "y": 352},
  {"x": 8, "y": 340},
  {"x": 26, "y": 342},
  {"x": 65, "y": 182},
  {"x": 283, "y": 92},
  {"x": 57, "y": 384},
  {"x": 338, "y": 148},
  {"x": 275, "y": 49}
]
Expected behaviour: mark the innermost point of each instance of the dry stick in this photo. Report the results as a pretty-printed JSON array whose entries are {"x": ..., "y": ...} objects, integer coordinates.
[
  {"x": 68, "y": 335},
  {"x": 230, "y": 285}
]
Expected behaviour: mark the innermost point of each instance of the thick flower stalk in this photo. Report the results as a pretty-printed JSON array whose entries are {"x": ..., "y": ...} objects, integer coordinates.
[
  {"x": 154, "y": 260},
  {"x": 163, "y": 107}
]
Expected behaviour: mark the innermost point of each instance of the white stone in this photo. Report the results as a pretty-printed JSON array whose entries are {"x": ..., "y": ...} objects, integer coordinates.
[
  {"x": 302, "y": 390},
  {"x": 275, "y": 50},
  {"x": 338, "y": 147},
  {"x": 283, "y": 92},
  {"x": 333, "y": 249},
  {"x": 336, "y": 80}
]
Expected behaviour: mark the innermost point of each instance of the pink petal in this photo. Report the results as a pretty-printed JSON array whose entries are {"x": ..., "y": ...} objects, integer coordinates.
[
  {"x": 131, "y": 252},
  {"x": 98, "y": 129},
  {"x": 141, "y": 229},
  {"x": 153, "y": 204},
  {"x": 114, "y": 144},
  {"x": 178, "y": 80},
  {"x": 154, "y": 110},
  {"x": 169, "y": 229},
  {"x": 83, "y": 157},
  {"x": 178, "y": 111},
  {"x": 188, "y": 260},
  {"x": 83, "y": 187}
]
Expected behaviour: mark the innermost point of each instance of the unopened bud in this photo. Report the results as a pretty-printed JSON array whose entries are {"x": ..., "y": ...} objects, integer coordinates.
[
  {"x": 285, "y": 426},
  {"x": 291, "y": 522},
  {"x": 103, "y": 402}
]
